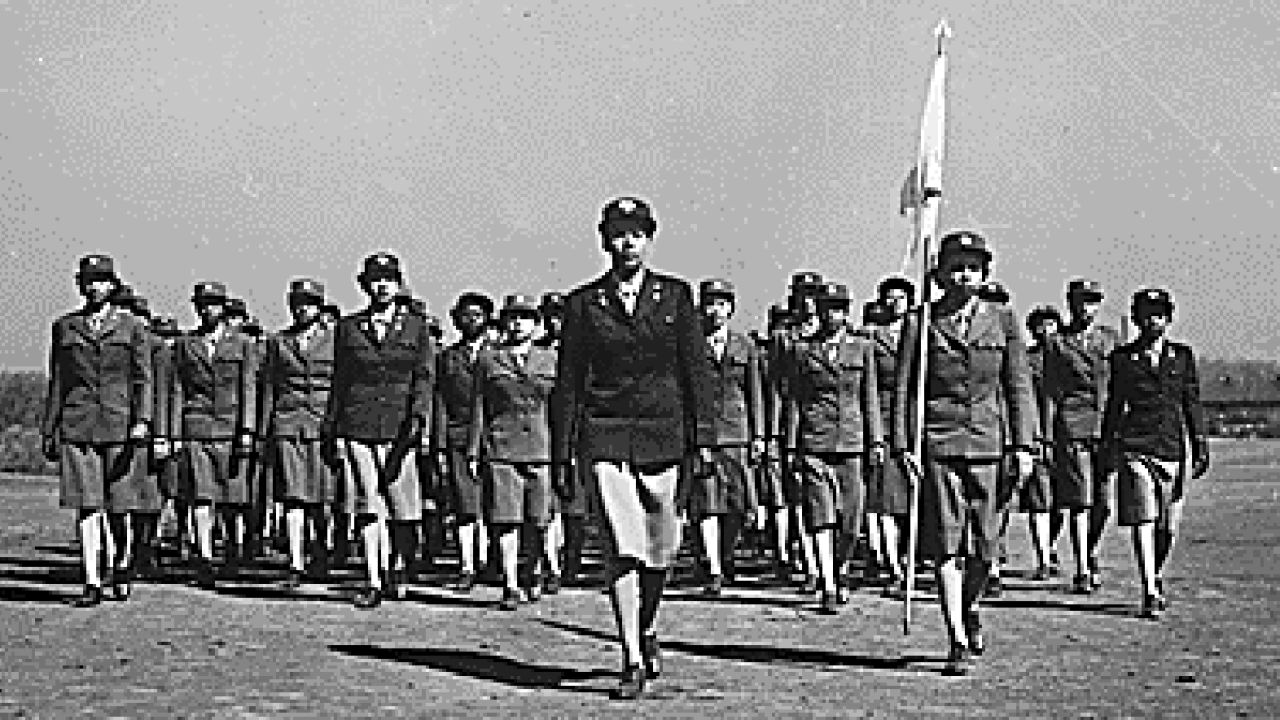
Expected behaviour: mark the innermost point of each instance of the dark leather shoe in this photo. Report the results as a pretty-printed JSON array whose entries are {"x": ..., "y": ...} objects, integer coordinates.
[
  {"x": 959, "y": 661},
  {"x": 465, "y": 582},
  {"x": 395, "y": 586},
  {"x": 368, "y": 599},
  {"x": 630, "y": 685},
  {"x": 551, "y": 585},
  {"x": 510, "y": 600},
  {"x": 292, "y": 581},
  {"x": 121, "y": 585},
  {"x": 1095, "y": 575},
  {"x": 1080, "y": 585},
  {"x": 810, "y": 585},
  {"x": 651, "y": 649},
  {"x": 973, "y": 632},
  {"x": 91, "y": 596},
  {"x": 830, "y": 604},
  {"x": 204, "y": 575},
  {"x": 714, "y": 586},
  {"x": 1153, "y": 607},
  {"x": 995, "y": 588}
]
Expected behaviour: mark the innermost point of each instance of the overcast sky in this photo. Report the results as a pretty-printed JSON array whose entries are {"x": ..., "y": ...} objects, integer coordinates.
[{"x": 1134, "y": 142}]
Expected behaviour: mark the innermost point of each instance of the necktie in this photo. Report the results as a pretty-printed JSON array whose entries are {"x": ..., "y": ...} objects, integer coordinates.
[{"x": 628, "y": 298}]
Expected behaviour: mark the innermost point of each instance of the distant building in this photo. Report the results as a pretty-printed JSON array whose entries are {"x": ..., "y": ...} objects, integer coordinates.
[{"x": 1241, "y": 399}]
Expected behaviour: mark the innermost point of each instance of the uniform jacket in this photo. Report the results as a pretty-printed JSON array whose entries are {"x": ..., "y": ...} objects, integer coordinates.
[
  {"x": 216, "y": 395},
  {"x": 738, "y": 400},
  {"x": 510, "y": 417},
  {"x": 454, "y": 396},
  {"x": 381, "y": 388},
  {"x": 978, "y": 397},
  {"x": 884, "y": 345},
  {"x": 163, "y": 415},
  {"x": 1153, "y": 410},
  {"x": 100, "y": 384},
  {"x": 835, "y": 401},
  {"x": 296, "y": 383},
  {"x": 631, "y": 387},
  {"x": 1075, "y": 372},
  {"x": 770, "y": 389},
  {"x": 1044, "y": 416}
]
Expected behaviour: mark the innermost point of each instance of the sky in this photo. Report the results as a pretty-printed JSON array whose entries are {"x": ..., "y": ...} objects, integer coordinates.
[{"x": 1136, "y": 143}]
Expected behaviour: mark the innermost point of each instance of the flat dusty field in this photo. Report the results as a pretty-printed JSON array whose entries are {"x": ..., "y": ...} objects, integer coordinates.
[{"x": 250, "y": 651}]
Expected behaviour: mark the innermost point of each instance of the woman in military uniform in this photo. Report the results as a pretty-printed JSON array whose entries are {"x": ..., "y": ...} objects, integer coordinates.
[
  {"x": 214, "y": 394},
  {"x": 1153, "y": 437},
  {"x": 834, "y": 423},
  {"x": 633, "y": 401},
  {"x": 978, "y": 409},
  {"x": 297, "y": 374},
  {"x": 97, "y": 411}
]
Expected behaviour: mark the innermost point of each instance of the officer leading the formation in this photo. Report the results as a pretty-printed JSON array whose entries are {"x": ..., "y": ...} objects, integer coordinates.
[{"x": 633, "y": 401}]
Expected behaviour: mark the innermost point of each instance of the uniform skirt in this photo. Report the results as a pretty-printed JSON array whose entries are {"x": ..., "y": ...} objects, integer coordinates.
[
  {"x": 215, "y": 474},
  {"x": 1079, "y": 481},
  {"x": 638, "y": 510},
  {"x": 138, "y": 490},
  {"x": 721, "y": 488},
  {"x": 888, "y": 488},
  {"x": 1037, "y": 491},
  {"x": 768, "y": 475},
  {"x": 382, "y": 491},
  {"x": 834, "y": 491},
  {"x": 467, "y": 490},
  {"x": 1146, "y": 490},
  {"x": 959, "y": 514},
  {"x": 519, "y": 493},
  {"x": 301, "y": 474},
  {"x": 89, "y": 473}
]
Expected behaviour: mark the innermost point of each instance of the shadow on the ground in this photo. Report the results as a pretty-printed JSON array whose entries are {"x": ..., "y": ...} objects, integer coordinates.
[
  {"x": 1112, "y": 609},
  {"x": 767, "y": 654},
  {"x": 35, "y": 594},
  {"x": 484, "y": 666}
]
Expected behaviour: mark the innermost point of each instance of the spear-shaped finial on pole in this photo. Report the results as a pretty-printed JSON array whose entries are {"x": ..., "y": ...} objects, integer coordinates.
[{"x": 942, "y": 32}]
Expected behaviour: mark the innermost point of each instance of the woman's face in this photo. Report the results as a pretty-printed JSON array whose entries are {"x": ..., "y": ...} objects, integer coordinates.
[{"x": 964, "y": 271}]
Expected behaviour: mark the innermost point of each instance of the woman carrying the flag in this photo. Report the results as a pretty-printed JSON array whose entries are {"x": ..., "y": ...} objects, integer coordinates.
[{"x": 978, "y": 409}]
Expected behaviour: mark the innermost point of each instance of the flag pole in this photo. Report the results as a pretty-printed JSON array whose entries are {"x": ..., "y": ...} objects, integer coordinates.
[{"x": 928, "y": 199}]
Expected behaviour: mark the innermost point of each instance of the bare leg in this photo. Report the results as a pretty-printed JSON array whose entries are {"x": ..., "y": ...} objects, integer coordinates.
[
  {"x": 296, "y": 522},
  {"x": 626, "y": 611},
  {"x": 709, "y": 527},
  {"x": 824, "y": 546},
  {"x": 1144, "y": 550},
  {"x": 951, "y": 596},
  {"x": 90, "y": 529},
  {"x": 509, "y": 550}
]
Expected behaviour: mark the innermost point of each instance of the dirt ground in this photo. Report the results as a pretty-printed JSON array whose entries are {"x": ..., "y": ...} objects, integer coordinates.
[{"x": 250, "y": 651}]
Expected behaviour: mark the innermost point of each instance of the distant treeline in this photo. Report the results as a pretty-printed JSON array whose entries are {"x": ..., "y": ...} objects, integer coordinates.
[{"x": 21, "y": 407}]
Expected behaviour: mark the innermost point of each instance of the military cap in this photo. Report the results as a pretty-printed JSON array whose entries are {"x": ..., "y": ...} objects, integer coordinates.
[
  {"x": 994, "y": 291},
  {"x": 237, "y": 307},
  {"x": 140, "y": 306},
  {"x": 627, "y": 213},
  {"x": 97, "y": 267},
  {"x": 552, "y": 302},
  {"x": 1042, "y": 313},
  {"x": 834, "y": 293},
  {"x": 872, "y": 311},
  {"x": 331, "y": 309},
  {"x": 896, "y": 282},
  {"x": 715, "y": 287},
  {"x": 472, "y": 297},
  {"x": 252, "y": 326},
  {"x": 1153, "y": 298},
  {"x": 434, "y": 326},
  {"x": 778, "y": 314},
  {"x": 521, "y": 304},
  {"x": 164, "y": 326},
  {"x": 958, "y": 241},
  {"x": 380, "y": 266},
  {"x": 1085, "y": 289},
  {"x": 306, "y": 288},
  {"x": 805, "y": 281},
  {"x": 123, "y": 295},
  {"x": 209, "y": 291}
]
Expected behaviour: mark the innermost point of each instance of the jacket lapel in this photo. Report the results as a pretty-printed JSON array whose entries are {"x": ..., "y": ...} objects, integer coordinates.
[
  {"x": 605, "y": 297},
  {"x": 80, "y": 324},
  {"x": 983, "y": 322},
  {"x": 650, "y": 297}
]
